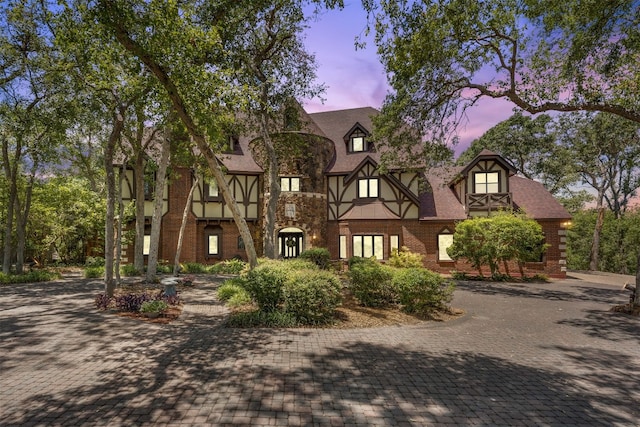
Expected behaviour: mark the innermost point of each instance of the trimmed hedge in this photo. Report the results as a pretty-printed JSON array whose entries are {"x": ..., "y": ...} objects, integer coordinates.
[
  {"x": 371, "y": 282},
  {"x": 421, "y": 290},
  {"x": 312, "y": 296},
  {"x": 319, "y": 256}
]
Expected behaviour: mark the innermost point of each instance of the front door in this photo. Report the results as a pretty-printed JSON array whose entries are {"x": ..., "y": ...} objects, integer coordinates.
[{"x": 290, "y": 244}]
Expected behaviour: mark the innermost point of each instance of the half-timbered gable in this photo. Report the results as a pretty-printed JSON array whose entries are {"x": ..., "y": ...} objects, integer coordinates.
[
  {"x": 208, "y": 203},
  {"x": 483, "y": 185},
  {"x": 129, "y": 191}
]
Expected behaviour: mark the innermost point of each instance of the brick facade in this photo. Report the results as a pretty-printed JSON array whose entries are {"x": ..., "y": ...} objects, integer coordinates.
[{"x": 330, "y": 204}]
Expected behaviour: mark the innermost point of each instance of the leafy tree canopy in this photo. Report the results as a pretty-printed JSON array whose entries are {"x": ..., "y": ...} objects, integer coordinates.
[
  {"x": 530, "y": 145},
  {"x": 443, "y": 56}
]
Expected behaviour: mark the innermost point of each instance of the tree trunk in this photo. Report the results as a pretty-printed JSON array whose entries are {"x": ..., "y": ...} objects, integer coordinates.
[
  {"x": 119, "y": 227},
  {"x": 22, "y": 217},
  {"x": 156, "y": 220},
  {"x": 118, "y": 125},
  {"x": 183, "y": 225},
  {"x": 194, "y": 131},
  {"x": 8, "y": 232},
  {"x": 594, "y": 258},
  {"x": 637, "y": 301},
  {"x": 138, "y": 243},
  {"x": 11, "y": 174},
  {"x": 274, "y": 191}
]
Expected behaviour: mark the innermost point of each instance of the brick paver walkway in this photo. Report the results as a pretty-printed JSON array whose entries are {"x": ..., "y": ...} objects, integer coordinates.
[{"x": 524, "y": 354}]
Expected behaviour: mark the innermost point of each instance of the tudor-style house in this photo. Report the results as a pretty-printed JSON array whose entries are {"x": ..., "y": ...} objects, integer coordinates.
[{"x": 334, "y": 196}]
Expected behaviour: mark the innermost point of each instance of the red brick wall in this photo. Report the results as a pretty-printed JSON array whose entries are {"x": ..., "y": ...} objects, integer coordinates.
[{"x": 422, "y": 237}]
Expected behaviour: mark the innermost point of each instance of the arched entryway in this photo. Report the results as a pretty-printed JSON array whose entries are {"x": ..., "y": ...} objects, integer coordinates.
[{"x": 290, "y": 242}]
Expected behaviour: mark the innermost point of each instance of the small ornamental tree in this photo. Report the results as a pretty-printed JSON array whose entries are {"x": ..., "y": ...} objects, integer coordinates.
[
  {"x": 503, "y": 237},
  {"x": 518, "y": 238},
  {"x": 472, "y": 241}
]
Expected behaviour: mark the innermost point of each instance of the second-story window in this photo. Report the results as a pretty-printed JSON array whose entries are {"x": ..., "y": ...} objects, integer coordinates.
[
  {"x": 367, "y": 188},
  {"x": 486, "y": 182},
  {"x": 289, "y": 183},
  {"x": 211, "y": 192}
]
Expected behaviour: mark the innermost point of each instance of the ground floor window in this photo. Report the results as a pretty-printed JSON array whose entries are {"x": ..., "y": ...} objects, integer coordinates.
[
  {"x": 146, "y": 244},
  {"x": 368, "y": 246},
  {"x": 445, "y": 239},
  {"x": 213, "y": 240},
  {"x": 343, "y": 246},
  {"x": 214, "y": 245},
  {"x": 394, "y": 242}
]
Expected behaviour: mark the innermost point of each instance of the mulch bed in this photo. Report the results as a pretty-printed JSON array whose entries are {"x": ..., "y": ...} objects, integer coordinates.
[
  {"x": 171, "y": 314},
  {"x": 349, "y": 315}
]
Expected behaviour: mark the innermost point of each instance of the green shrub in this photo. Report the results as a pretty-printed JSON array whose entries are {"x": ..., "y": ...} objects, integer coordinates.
[
  {"x": 265, "y": 283},
  {"x": 94, "y": 262},
  {"x": 404, "y": 258},
  {"x": 128, "y": 270},
  {"x": 319, "y": 256},
  {"x": 155, "y": 306},
  {"x": 356, "y": 260},
  {"x": 193, "y": 268},
  {"x": 30, "y": 277},
  {"x": 312, "y": 296},
  {"x": 231, "y": 266},
  {"x": 371, "y": 282},
  {"x": 228, "y": 289},
  {"x": 258, "y": 318},
  {"x": 239, "y": 299},
  {"x": 94, "y": 272},
  {"x": 295, "y": 264},
  {"x": 421, "y": 290},
  {"x": 164, "y": 269}
]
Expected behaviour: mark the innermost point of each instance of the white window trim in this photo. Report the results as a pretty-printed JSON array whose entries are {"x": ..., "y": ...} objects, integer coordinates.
[
  {"x": 360, "y": 249},
  {"x": 368, "y": 187}
]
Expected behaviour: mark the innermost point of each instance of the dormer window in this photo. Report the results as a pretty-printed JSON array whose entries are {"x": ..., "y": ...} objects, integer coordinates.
[
  {"x": 358, "y": 143},
  {"x": 486, "y": 182}
]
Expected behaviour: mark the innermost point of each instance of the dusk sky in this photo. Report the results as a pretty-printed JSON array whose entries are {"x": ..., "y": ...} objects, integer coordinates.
[{"x": 356, "y": 78}]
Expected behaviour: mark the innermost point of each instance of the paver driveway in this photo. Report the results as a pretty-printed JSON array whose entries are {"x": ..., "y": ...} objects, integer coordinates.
[{"x": 524, "y": 354}]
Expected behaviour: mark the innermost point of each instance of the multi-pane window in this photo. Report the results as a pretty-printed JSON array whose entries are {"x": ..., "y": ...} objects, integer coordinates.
[
  {"x": 486, "y": 182},
  {"x": 368, "y": 187},
  {"x": 288, "y": 183},
  {"x": 368, "y": 246}
]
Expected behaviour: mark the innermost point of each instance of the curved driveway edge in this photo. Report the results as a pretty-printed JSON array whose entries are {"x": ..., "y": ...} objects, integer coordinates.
[{"x": 524, "y": 354}]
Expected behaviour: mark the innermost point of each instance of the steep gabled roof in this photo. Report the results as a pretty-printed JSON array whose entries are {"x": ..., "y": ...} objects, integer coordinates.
[
  {"x": 335, "y": 125},
  {"x": 441, "y": 203},
  {"x": 484, "y": 155},
  {"x": 535, "y": 200}
]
